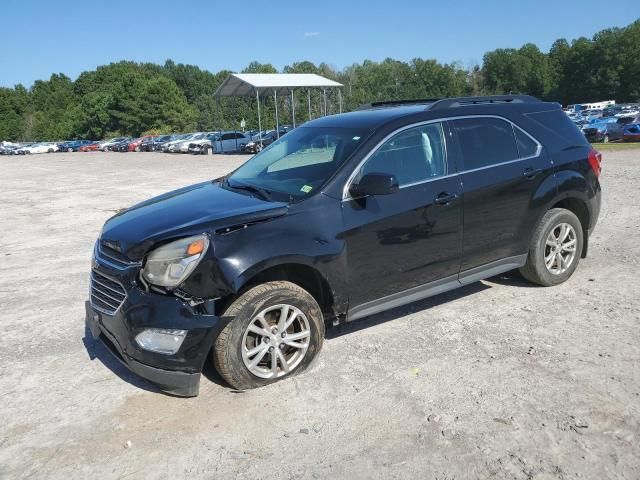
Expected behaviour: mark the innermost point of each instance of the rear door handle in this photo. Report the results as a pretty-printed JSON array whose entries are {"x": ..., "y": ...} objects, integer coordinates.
[
  {"x": 444, "y": 198},
  {"x": 531, "y": 172}
]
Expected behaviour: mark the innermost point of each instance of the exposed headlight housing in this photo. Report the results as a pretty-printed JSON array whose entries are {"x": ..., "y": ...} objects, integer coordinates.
[{"x": 170, "y": 265}]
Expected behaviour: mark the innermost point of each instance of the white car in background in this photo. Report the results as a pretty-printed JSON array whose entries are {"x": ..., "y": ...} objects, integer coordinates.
[
  {"x": 174, "y": 145},
  {"x": 38, "y": 148},
  {"x": 201, "y": 146},
  {"x": 183, "y": 146}
]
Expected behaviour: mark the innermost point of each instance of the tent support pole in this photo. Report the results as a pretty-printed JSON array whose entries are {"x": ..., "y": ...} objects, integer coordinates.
[
  {"x": 259, "y": 120},
  {"x": 275, "y": 100},
  {"x": 309, "y": 99},
  {"x": 324, "y": 94},
  {"x": 293, "y": 109}
]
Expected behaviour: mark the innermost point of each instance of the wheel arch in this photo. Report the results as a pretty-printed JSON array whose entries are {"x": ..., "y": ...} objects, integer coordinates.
[{"x": 304, "y": 275}]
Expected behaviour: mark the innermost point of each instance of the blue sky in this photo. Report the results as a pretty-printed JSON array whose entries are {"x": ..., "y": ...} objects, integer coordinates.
[{"x": 38, "y": 38}]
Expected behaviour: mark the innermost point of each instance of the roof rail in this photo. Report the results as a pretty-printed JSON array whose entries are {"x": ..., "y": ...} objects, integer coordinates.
[
  {"x": 393, "y": 103},
  {"x": 489, "y": 99}
]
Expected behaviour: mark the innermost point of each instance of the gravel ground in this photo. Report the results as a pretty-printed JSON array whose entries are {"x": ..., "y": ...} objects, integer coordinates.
[{"x": 496, "y": 380}]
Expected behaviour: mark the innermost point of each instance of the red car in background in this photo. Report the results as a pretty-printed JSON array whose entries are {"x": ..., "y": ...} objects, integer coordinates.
[
  {"x": 92, "y": 147},
  {"x": 134, "y": 145}
]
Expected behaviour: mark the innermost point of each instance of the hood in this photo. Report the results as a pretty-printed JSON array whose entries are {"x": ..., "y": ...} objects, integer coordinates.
[{"x": 195, "y": 209}]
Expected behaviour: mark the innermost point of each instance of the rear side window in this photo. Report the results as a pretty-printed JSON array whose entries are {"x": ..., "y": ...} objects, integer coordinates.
[
  {"x": 526, "y": 146},
  {"x": 485, "y": 141},
  {"x": 557, "y": 122}
]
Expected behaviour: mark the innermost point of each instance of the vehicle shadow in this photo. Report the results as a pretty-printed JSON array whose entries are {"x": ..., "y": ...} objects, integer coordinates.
[
  {"x": 98, "y": 351},
  {"x": 404, "y": 310},
  {"x": 210, "y": 373},
  {"x": 512, "y": 278}
]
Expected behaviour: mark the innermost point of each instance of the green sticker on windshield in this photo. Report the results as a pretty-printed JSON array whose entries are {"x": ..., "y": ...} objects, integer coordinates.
[{"x": 306, "y": 188}]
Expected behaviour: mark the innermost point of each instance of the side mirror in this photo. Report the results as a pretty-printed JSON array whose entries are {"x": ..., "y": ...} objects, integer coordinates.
[{"x": 374, "y": 184}]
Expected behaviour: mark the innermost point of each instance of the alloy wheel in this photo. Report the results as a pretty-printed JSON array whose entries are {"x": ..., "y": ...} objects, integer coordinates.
[
  {"x": 560, "y": 248},
  {"x": 275, "y": 341}
]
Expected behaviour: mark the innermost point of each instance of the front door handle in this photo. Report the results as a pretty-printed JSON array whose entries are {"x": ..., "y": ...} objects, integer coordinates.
[
  {"x": 531, "y": 172},
  {"x": 444, "y": 198}
]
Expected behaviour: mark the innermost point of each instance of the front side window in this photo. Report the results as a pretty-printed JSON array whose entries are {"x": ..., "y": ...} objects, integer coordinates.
[
  {"x": 300, "y": 162},
  {"x": 485, "y": 141},
  {"x": 413, "y": 156}
]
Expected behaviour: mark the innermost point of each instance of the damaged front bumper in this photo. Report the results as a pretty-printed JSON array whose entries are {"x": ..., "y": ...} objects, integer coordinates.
[{"x": 119, "y": 310}]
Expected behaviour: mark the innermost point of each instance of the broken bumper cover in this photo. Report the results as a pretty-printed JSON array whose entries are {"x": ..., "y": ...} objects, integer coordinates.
[
  {"x": 178, "y": 373},
  {"x": 182, "y": 384}
]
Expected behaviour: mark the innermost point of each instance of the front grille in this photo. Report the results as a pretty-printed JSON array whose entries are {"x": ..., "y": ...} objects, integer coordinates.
[
  {"x": 106, "y": 295},
  {"x": 112, "y": 257}
]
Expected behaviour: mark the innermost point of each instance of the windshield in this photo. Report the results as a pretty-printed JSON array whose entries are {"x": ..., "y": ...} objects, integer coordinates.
[{"x": 299, "y": 163}]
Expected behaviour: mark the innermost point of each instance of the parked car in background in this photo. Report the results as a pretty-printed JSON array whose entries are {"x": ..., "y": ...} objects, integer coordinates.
[
  {"x": 73, "y": 145},
  {"x": 149, "y": 144},
  {"x": 38, "y": 148},
  {"x": 260, "y": 141},
  {"x": 92, "y": 147},
  {"x": 134, "y": 145},
  {"x": 121, "y": 146},
  {"x": 204, "y": 145},
  {"x": 594, "y": 113},
  {"x": 183, "y": 146},
  {"x": 106, "y": 144},
  {"x": 232, "y": 141},
  {"x": 631, "y": 132},
  {"x": 8, "y": 148},
  {"x": 172, "y": 145},
  {"x": 603, "y": 132},
  {"x": 158, "y": 144}
]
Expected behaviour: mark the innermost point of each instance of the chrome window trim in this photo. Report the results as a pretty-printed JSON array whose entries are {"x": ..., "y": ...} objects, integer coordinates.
[{"x": 345, "y": 190}]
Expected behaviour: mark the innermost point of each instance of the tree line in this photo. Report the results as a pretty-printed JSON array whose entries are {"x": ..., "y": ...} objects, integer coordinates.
[{"x": 129, "y": 98}]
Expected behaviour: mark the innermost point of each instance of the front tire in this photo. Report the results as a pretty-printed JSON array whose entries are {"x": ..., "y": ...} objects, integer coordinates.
[
  {"x": 555, "y": 248},
  {"x": 276, "y": 330}
]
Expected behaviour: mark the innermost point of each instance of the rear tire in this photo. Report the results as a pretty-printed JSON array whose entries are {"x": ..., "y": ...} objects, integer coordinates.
[
  {"x": 555, "y": 248},
  {"x": 297, "y": 344}
]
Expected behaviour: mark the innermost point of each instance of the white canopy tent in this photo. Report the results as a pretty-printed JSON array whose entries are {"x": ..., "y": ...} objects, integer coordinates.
[{"x": 254, "y": 84}]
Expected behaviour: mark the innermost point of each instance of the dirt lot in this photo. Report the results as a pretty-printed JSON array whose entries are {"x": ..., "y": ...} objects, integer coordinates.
[{"x": 499, "y": 379}]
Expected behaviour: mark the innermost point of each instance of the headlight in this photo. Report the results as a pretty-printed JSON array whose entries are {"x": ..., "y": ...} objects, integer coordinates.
[{"x": 171, "y": 264}]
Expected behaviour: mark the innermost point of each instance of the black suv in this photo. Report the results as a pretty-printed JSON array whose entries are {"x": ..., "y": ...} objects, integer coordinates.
[{"x": 344, "y": 217}]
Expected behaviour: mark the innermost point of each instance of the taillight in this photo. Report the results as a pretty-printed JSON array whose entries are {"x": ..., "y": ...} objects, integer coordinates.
[{"x": 595, "y": 160}]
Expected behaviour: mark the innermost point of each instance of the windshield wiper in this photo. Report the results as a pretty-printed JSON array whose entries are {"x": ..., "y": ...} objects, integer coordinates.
[{"x": 261, "y": 192}]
